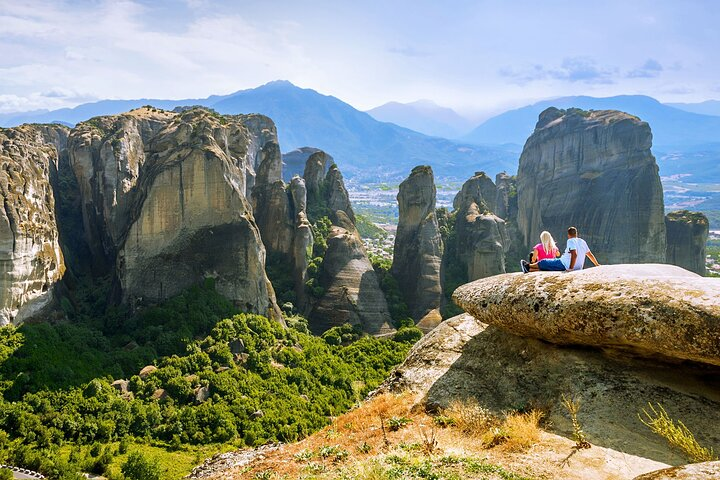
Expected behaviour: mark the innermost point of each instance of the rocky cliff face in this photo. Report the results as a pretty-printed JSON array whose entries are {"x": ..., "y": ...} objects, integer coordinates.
[
  {"x": 481, "y": 237},
  {"x": 31, "y": 262},
  {"x": 687, "y": 234},
  {"x": 352, "y": 293},
  {"x": 418, "y": 245},
  {"x": 164, "y": 198},
  {"x": 593, "y": 170}
]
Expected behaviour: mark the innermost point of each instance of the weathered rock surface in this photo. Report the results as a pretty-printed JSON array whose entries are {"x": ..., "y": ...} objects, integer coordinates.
[
  {"x": 31, "y": 262},
  {"x": 481, "y": 237},
  {"x": 649, "y": 310},
  {"x": 693, "y": 471},
  {"x": 418, "y": 245},
  {"x": 336, "y": 195},
  {"x": 294, "y": 161},
  {"x": 687, "y": 234},
  {"x": 464, "y": 358},
  {"x": 593, "y": 170},
  {"x": 352, "y": 292},
  {"x": 506, "y": 196},
  {"x": 165, "y": 202},
  {"x": 314, "y": 174}
]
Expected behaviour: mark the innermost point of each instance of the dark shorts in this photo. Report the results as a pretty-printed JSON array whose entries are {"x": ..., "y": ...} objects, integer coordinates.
[{"x": 551, "y": 265}]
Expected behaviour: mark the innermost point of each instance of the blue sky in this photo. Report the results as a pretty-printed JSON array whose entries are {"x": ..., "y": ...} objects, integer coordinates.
[{"x": 474, "y": 56}]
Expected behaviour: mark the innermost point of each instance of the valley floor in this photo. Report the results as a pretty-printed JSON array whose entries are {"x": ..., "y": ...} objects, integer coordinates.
[{"x": 391, "y": 437}]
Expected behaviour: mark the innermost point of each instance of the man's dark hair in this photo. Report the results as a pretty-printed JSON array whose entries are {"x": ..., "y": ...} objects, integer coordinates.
[{"x": 572, "y": 231}]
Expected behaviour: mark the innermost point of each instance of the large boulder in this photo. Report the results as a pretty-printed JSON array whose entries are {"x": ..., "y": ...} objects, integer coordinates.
[
  {"x": 693, "y": 471},
  {"x": 31, "y": 262},
  {"x": 418, "y": 245},
  {"x": 593, "y": 170},
  {"x": 352, "y": 293},
  {"x": 164, "y": 198},
  {"x": 336, "y": 195},
  {"x": 687, "y": 234},
  {"x": 649, "y": 310},
  {"x": 465, "y": 359}
]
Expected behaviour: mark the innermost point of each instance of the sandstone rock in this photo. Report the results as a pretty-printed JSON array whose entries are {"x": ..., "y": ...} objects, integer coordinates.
[
  {"x": 336, "y": 195},
  {"x": 506, "y": 196},
  {"x": 687, "y": 234},
  {"x": 274, "y": 217},
  {"x": 302, "y": 253},
  {"x": 202, "y": 394},
  {"x": 294, "y": 161},
  {"x": 314, "y": 174},
  {"x": 418, "y": 246},
  {"x": 31, "y": 262},
  {"x": 464, "y": 358},
  {"x": 593, "y": 170},
  {"x": 649, "y": 310},
  {"x": 693, "y": 471},
  {"x": 166, "y": 193},
  {"x": 352, "y": 293},
  {"x": 480, "y": 190},
  {"x": 159, "y": 394},
  {"x": 147, "y": 371},
  {"x": 120, "y": 385},
  {"x": 481, "y": 239}
]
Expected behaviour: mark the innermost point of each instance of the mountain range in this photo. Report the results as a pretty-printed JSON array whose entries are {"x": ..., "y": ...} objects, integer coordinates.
[
  {"x": 361, "y": 145},
  {"x": 671, "y": 127},
  {"x": 424, "y": 116}
]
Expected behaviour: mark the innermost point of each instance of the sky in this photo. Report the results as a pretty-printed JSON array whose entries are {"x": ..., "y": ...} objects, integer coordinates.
[{"x": 477, "y": 57}]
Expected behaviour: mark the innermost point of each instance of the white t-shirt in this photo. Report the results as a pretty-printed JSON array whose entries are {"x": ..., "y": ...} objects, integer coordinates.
[{"x": 580, "y": 247}]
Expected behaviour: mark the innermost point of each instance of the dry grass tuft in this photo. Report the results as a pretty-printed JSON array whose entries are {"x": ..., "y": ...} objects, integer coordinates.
[
  {"x": 676, "y": 434},
  {"x": 522, "y": 430},
  {"x": 470, "y": 417}
]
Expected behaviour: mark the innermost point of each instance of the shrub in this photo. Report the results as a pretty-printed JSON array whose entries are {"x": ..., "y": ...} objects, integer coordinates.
[
  {"x": 138, "y": 467},
  {"x": 676, "y": 434},
  {"x": 470, "y": 417},
  {"x": 408, "y": 335}
]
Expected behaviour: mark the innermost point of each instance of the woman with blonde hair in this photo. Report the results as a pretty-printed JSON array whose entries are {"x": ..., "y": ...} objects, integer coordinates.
[{"x": 546, "y": 249}]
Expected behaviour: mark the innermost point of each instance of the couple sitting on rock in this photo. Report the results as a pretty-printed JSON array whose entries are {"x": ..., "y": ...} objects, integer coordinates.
[{"x": 546, "y": 256}]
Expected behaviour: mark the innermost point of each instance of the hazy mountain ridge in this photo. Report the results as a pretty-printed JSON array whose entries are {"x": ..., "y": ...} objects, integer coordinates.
[{"x": 424, "y": 116}]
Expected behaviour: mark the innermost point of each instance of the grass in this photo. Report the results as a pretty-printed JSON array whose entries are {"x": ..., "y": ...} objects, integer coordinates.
[
  {"x": 572, "y": 405},
  {"x": 676, "y": 433}
]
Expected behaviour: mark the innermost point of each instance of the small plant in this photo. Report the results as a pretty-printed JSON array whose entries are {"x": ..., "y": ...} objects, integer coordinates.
[
  {"x": 444, "y": 421},
  {"x": 335, "y": 452},
  {"x": 264, "y": 475},
  {"x": 572, "y": 405},
  {"x": 315, "y": 468},
  {"x": 429, "y": 441},
  {"x": 364, "y": 448},
  {"x": 676, "y": 434},
  {"x": 303, "y": 456},
  {"x": 396, "y": 423}
]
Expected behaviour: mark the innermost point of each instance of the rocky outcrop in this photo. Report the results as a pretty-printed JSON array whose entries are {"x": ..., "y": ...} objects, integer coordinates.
[
  {"x": 593, "y": 170},
  {"x": 352, "y": 292},
  {"x": 481, "y": 239},
  {"x": 337, "y": 198},
  {"x": 31, "y": 262},
  {"x": 648, "y": 310},
  {"x": 164, "y": 201},
  {"x": 506, "y": 196},
  {"x": 687, "y": 234},
  {"x": 693, "y": 471},
  {"x": 314, "y": 174},
  {"x": 418, "y": 246},
  {"x": 464, "y": 358},
  {"x": 294, "y": 162}
]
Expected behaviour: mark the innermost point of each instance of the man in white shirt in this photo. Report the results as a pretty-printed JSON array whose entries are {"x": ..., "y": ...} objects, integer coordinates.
[{"x": 573, "y": 258}]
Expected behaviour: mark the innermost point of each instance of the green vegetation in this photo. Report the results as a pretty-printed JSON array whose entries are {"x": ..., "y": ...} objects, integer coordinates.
[
  {"x": 222, "y": 380},
  {"x": 399, "y": 310},
  {"x": 454, "y": 273},
  {"x": 367, "y": 229},
  {"x": 677, "y": 434}
]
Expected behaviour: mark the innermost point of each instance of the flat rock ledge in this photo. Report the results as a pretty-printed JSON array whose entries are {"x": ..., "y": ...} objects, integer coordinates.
[
  {"x": 693, "y": 471},
  {"x": 652, "y": 310}
]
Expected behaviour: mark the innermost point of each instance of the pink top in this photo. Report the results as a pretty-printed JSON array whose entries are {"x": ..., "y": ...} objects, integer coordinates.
[{"x": 542, "y": 254}]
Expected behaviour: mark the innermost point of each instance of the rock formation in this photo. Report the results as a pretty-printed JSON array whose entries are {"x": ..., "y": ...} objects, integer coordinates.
[
  {"x": 687, "y": 234},
  {"x": 314, "y": 174},
  {"x": 164, "y": 201},
  {"x": 294, "y": 161},
  {"x": 506, "y": 196},
  {"x": 418, "y": 245},
  {"x": 31, "y": 262},
  {"x": 352, "y": 293},
  {"x": 481, "y": 239},
  {"x": 464, "y": 359},
  {"x": 336, "y": 195},
  {"x": 593, "y": 170},
  {"x": 648, "y": 310},
  {"x": 692, "y": 471}
]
